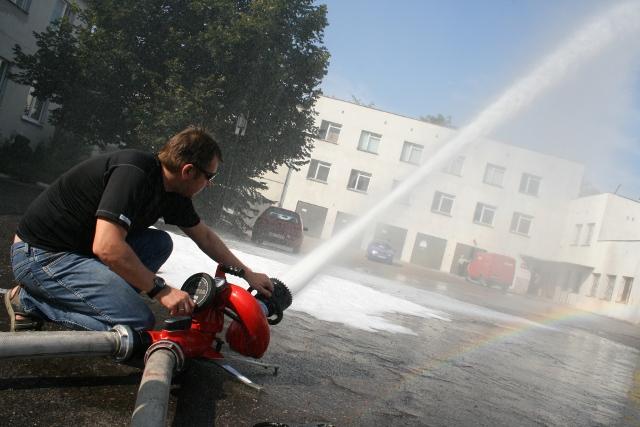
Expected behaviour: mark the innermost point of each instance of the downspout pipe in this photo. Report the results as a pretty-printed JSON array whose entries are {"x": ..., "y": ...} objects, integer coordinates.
[
  {"x": 285, "y": 187},
  {"x": 120, "y": 342}
]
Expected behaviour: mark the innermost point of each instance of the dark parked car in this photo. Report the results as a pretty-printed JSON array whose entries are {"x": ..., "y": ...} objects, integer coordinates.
[
  {"x": 380, "y": 251},
  {"x": 280, "y": 226}
]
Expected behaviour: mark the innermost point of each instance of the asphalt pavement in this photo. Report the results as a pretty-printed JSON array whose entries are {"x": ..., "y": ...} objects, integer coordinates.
[{"x": 487, "y": 366}]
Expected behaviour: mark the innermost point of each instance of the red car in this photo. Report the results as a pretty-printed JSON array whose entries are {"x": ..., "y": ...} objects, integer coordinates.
[
  {"x": 492, "y": 269},
  {"x": 279, "y": 226}
]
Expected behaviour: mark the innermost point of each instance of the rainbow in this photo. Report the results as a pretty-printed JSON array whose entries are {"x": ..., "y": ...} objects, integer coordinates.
[{"x": 549, "y": 320}]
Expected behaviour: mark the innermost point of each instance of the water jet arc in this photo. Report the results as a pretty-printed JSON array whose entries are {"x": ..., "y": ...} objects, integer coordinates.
[{"x": 620, "y": 20}]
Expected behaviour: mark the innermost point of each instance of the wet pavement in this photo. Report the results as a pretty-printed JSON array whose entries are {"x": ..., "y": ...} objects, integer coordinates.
[
  {"x": 484, "y": 367},
  {"x": 502, "y": 360}
]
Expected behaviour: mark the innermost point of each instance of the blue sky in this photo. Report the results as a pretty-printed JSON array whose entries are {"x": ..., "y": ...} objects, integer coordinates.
[{"x": 453, "y": 57}]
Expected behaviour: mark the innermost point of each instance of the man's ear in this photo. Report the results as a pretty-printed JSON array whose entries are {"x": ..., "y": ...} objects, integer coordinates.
[{"x": 187, "y": 170}]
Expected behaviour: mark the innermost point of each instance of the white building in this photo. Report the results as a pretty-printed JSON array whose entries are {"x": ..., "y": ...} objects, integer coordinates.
[
  {"x": 494, "y": 197},
  {"x": 602, "y": 235},
  {"x": 20, "y": 113}
]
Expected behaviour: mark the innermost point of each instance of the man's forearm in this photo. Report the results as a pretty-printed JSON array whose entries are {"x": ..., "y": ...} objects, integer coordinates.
[
  {"x": 123, "y": 261},
  {"x": 110, "y": 246}
]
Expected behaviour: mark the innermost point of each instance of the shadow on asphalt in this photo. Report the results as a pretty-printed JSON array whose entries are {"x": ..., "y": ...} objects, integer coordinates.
[{"x": 24, "y": 383}]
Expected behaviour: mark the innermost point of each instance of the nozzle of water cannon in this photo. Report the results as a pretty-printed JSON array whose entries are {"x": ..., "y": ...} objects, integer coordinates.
[{"x": 277, "y": 303}]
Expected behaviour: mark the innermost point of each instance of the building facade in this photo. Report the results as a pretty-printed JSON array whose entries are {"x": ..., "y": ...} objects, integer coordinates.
[
  {"x": 20, "y": 112},
  {"x": 601, "y": 242},
  {"x": 492, "y": 197}
]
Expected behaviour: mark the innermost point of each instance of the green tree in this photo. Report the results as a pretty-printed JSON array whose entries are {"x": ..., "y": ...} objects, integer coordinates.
[
  {"x": 133, "y": 72},
  {"x": 359, "y": 101},
  {"x": 439, "y": 120}
]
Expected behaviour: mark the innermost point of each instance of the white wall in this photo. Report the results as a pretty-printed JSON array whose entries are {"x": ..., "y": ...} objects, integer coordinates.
[
  {"x": 583, "y": 211},
  {"x": 613, "y": 250},
  {"x": 560, "y": 183},
  {"x": 621, "y": 219}
]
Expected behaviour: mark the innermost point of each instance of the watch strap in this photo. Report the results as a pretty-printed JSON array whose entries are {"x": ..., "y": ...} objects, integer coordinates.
[{"x": 158, "y": 285}]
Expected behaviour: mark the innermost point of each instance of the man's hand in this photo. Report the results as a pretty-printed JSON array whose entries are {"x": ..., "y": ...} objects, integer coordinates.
[
  {"x": 259, "y": 282},
  {"x": 214, "y": 247},
  {"x": 178, "y": 302}
]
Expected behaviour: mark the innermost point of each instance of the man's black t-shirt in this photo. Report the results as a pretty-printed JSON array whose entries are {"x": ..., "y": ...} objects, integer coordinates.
[{"x": 124, "y": 187}]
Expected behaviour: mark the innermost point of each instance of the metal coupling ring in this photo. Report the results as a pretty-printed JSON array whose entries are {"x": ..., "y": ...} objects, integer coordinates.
[
  {"x": 126, "y": 342},
  {"x": 167, "y": 345}
]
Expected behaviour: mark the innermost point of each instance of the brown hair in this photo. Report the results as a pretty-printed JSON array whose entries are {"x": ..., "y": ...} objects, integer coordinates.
[{"x": 193, "y": 145}]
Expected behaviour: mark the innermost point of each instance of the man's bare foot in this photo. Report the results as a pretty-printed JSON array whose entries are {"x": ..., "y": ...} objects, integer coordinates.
[
  {"x": 12, "y": 294},
  {"x": 19, "y": 320}
]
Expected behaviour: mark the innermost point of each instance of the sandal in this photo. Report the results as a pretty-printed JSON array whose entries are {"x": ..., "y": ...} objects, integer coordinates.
[{"x": 14, "y": 308}]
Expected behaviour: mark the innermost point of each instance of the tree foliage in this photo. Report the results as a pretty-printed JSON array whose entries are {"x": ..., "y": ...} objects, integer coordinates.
[
  {"x": 362, "y": 103},
  {"x": 438, "y": 119},
  {"x": 133, "y": 72}
]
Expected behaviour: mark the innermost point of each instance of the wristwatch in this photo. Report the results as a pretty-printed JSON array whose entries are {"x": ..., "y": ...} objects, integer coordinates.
[{"x": 158, "y": 285}]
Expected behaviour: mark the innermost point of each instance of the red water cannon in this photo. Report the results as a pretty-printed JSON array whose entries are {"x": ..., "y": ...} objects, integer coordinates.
[{"x": 251, "y": 314}]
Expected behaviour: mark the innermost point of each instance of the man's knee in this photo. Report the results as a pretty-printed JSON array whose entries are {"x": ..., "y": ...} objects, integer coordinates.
[
  {"x": 152, "y": 246},
  {"x": 165, "y": 244}
]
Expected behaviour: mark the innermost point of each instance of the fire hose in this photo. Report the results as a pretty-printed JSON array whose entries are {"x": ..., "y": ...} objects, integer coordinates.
[
  {"x": 118, "y": 343},
  {"x": 166, "y": 351}
]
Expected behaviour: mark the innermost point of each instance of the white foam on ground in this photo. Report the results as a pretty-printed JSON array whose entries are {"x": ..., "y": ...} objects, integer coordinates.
[{"x": 326, "y": 298}]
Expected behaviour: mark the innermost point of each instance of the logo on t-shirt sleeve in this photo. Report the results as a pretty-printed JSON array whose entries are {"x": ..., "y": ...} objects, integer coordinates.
[{"x": 125, "y": 220}]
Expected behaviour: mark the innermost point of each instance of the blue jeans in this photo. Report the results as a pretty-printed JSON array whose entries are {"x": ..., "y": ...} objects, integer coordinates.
[{"x": 81, "y": 292}]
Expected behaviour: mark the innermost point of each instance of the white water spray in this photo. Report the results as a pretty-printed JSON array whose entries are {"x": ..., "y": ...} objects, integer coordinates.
[{"x": 620, "y": 21}]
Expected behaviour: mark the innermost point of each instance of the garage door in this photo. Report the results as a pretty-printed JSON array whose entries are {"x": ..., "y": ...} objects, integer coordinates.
[
  {"x": 461, "y": 258},
  {"x": 343, "y": 220},
  {"x": 313, "y": 217},
  {"x": 392, "y": 234},
  {"x": 428, "y": 251}
]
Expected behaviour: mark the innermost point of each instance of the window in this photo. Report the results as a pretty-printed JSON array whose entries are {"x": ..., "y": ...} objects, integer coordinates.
[
  {"x": 22, "y": 4},
  {"x": 530, "y": 184},
  {"x": 330, "y": 131},
  {"x": 4, "y": 67},
  {"x": 588, "y": 235},
  {"x": 61, "y": 10},
  {"x": 521, "y": 223},
  {"x": 626, "y": 290},
  {"x": 369, "y": 142},
  {"x": 318, "y": 171},
  {"x": 455, "y": 167},
  {"x": 411, "y": 153},
  {"x": 576, "y": 234},
  {"x": 611, "y": 283},
  {"x": 493, "y": 175},
  {"x": 283, "y": 215},
  {"x": 442, "y": 203},
  {"x": 484, "y": 214},
  {"x": 406, "y": 198},
  {"x": 594, "y": 285},
  {"x": 359, "y": 181},
  {"x": 36, "y": 108}
]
